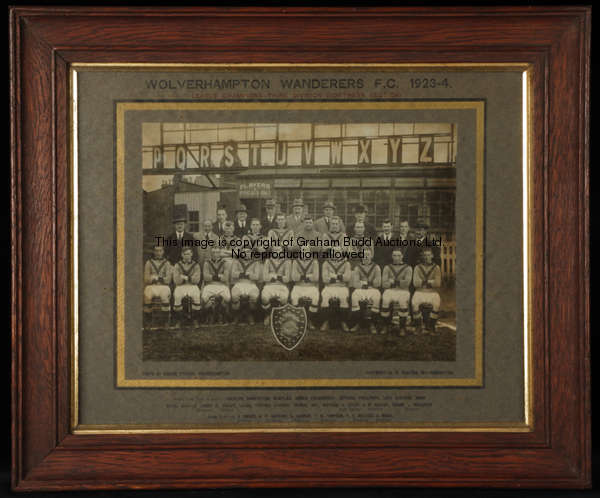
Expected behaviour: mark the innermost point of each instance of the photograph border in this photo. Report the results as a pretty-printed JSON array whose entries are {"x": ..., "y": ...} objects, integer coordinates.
[{"x": 478, "y": 106}]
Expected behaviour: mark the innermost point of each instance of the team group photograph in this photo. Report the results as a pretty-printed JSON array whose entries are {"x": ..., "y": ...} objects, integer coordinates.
[{"x": 245, "y": 270}]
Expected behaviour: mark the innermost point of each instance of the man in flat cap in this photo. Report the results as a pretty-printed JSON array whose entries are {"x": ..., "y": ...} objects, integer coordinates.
[
  {"x": 295, "y": 220},
  {"x": 270, "y": 220},
  {"x": 241, "y": 221},
  {"x": 323, "y": 223},
  {"x": 179, "y": 238}
]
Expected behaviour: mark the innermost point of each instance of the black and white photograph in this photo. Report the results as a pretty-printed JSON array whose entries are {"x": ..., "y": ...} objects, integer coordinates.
[{"x": 293, "y": 241}]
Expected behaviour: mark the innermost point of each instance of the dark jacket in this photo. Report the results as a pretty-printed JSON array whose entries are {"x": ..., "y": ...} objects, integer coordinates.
[
  {"x": 238, "y": 231},
  {"x": 219, "y": 230},
  {"x": 268, "y": 225},
  {"x": 383, "y": 253},
  {"x": 173, "y": 246}
]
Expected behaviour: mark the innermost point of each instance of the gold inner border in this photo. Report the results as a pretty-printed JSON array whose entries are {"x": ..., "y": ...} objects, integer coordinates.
[
  {"x": 476, "y": 380},
  {"x": 316, "y": 427},
  {"x": 403, "y": 427}
]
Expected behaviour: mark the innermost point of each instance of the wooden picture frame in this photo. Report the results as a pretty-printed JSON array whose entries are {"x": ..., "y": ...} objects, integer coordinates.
[{"x": 555, "y": 450}]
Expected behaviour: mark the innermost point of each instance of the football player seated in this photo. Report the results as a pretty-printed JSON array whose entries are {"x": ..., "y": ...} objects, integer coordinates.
[
  {"x": 157, "y": 293},
  {"x": 395, "y": 280},
  {"x": 366, "y": 281},
  {"x": 186, "y": 296},
  {"x": 215, "y": 292},
  {"x": 335, "y": 296},
  {"x": 276, "y": 275},
  {"x": 305, "y": 293},
  {"x": 427, "y": 279},
  {"x": 245, "y": 275}
]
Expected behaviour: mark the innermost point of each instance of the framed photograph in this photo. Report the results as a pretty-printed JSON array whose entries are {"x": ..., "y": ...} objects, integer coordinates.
[{"x": 300, "y": 247}]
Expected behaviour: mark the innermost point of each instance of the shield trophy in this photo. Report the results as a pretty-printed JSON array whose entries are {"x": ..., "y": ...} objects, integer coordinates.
[{"x": 288, "y": 324}]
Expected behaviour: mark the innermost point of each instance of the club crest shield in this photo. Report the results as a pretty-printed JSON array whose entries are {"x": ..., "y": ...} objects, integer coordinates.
[{"x": 288, "y": 324}]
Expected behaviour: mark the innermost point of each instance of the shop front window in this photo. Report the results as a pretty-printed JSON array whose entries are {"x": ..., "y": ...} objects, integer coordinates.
[
  {"x": 194, "y": 221},
  {"x": 394, "y": 204}
]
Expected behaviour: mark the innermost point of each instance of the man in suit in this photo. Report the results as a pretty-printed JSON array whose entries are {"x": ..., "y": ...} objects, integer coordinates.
[
  {"x": 270, "y": 220},
  {"x": 241, "y": 222},
  {"x": 323, "y": 223},
  {"x": 404, "y": 236},
  {"x": 219, "y": 225},
  {"x": 385, "y": 245},
  {"x": 295, "y": 220},
  {"x": 179, "y": 238},
  {"x": 403, "y": 230},
  {"x": 360, "y": 215}
]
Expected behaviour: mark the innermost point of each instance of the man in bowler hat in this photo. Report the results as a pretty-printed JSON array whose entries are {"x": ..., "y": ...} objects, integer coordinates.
[
  {"x": 270, "y": 219},
  {"x": 322, "y": 224},
  {"x": 179, "y": 237},
  {"x": 242, "y": 227},
  {"x": 295, "y": 221}
]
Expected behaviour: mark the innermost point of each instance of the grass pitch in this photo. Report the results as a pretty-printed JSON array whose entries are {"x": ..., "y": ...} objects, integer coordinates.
[{"x": 245, "y": 342}]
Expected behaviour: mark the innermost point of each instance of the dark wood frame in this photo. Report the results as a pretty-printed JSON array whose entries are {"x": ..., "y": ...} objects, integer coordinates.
[{"x": 555, "y": 41}]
